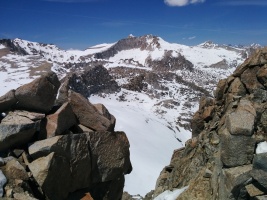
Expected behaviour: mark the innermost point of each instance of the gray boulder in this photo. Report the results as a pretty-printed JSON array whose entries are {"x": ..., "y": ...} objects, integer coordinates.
[
  {"x": 236, "y": 178},
  {"x": 241, "y": 121},
  {"x": 16, "y": 130},
  {"x": 7, "y": 101},
  {"x": 236, "y": 150},
  {"x": 260, "y": 176},
  {"x": 49, "y": 172},
  {"x": 74, "y": 149},
  {"x": 110, "y": 155},
  {"x": 260, "y": 161}
]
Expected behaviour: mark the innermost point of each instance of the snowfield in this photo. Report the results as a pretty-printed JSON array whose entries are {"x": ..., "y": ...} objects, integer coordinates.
[{"x": 151, "y": 142}]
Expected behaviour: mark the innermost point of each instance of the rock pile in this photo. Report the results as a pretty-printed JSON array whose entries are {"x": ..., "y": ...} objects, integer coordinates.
[
  {"x": 221, "y": 161},
  {"x": 67, "y": 151}
]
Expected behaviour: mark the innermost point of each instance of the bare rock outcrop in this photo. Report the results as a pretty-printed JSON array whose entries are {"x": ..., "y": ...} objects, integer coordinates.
[
  {"x": 39, "y": 95},
  {"x": 59, "y": 152},
  {"x": 221, "y": 161},
  {"x": 93, "y": 80}
]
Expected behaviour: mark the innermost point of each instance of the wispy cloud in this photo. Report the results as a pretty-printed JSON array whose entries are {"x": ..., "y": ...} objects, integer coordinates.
[
  {"x": 182, "y": 2},
  {"x": 190, "y": 38},
  {"x": 244, "y": 3}
]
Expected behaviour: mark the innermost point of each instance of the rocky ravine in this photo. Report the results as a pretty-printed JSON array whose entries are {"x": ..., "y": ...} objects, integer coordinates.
[
  {"x": 67, "y": 151},
  {"x": 223, "y": 159}
]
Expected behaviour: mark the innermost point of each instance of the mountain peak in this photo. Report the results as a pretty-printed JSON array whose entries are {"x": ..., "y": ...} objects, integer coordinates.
[
  {"x": 131, "y": 36},
  {"x": 208, "y": 44}
]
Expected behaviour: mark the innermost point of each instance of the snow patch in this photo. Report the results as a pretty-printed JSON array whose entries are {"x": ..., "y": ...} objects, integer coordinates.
[
  {"x": 261, "y": 147},
  {"x": 171, "y": 195},
  {"x": 151, "y": 141},
  {"x": 2, "y": 46}
]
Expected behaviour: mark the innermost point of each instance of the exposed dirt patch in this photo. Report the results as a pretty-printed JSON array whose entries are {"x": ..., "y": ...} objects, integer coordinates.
[{"x": 4, "y": 52}]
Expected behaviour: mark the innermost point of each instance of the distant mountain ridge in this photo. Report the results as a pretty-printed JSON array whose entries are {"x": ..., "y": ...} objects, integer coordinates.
[{"x": 105, "y": 51}]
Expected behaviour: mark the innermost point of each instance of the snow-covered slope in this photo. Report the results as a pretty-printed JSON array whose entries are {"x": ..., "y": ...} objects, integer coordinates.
[
  {"x": 151, "y": 143},
  {"x": 53, "y": 53},
  {"x": 161, "y": 85}
]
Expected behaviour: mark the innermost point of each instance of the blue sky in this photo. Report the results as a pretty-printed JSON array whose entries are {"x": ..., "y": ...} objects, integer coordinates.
[{"x": 82, "y": 23}]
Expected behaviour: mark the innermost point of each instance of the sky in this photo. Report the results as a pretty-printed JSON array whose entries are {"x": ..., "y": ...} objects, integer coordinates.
[{"x": 79, "y": 24}]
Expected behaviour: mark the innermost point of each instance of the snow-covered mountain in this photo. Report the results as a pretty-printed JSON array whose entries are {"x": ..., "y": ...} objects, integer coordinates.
[{"x": 160, "y": 85}]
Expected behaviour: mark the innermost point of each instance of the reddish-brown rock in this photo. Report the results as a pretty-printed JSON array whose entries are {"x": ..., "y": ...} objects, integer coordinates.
[
  {"x": 87, "y": 113},
  {"x": 110, "y": 155},
  {"x": 60, "y": 121}
]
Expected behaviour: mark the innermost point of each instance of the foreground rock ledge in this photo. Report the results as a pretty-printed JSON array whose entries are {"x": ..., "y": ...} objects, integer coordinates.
[
  {"x": 59, "y": 151},
  {"x": 219, "y": 162}
]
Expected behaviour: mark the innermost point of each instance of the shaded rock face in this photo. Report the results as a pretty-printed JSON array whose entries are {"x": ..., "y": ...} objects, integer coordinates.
[
  {"x": 60, "y": 152},
  {"x": 94, "y": 80},
  {"x": 169, "y": 63},
  {"x": 219, "y": 162},
  {"x": 88, "y": 115},
  {"x": 38, "y": 95},
  {"x": 129, "y": 43},
  {"x": 16, "y": 130}
]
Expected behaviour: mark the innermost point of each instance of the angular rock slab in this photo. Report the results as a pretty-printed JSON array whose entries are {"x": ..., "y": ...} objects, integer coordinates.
[
  {"x": 241, "y": 121},
  {"x": 260, "y": 176},
  {"x": 52, "y": 173},
  {"x": 104, "y": 111},
  {"x": 110, "y": 155},
  {"x": 74, "y": 149},
  {"x": 260, "y": 161},
  {"x": 87, "y": 114},
  {"x": 14, "y": 170},
  {"x": 40, "y": 94},
  {"x": 236, "y": 150},
  {"x": 236, "y": 177},
  {"x": 16, "y": 130},
  {"x": 3, "y": 181},
  {"x": 60, "y": 121}
]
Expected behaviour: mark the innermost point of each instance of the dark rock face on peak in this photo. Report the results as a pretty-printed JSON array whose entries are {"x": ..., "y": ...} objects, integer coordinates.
[
  {"x": 59, "y": 152},
  {"x": 94, "y": 80},
  {"x": 13, "y": 48},
  {"x": 170, "y": 63},
  {"x": 219, "y": 162},
  {"x": 144, "y": 42}
]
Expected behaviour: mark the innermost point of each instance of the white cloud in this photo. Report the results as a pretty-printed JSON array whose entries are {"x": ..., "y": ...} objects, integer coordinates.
[
  {"x": 190, "y": 38},
  {"x": 182, "y": 2}
]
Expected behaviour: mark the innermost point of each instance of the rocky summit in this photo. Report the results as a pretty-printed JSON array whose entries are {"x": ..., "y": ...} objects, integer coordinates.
[
  {"x": 55, "y": 150},
  {"x": 226, "y": 157}
]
